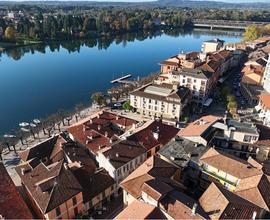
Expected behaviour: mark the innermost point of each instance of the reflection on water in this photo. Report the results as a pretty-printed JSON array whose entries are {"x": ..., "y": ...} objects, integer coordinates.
[
  {"x": 105, "y": 42},
  {"x": 38, "y": 80}
]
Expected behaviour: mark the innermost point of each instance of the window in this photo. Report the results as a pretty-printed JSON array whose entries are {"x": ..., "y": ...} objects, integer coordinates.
[
  {"x": 74, "y": 201},
  {"x": 76, "y": 213},
  {"x": 247, "y": 138},
  {"x": 118, "y": 173},
  {"x": 150, "y": 100},
  {"x": 58, "y": 211},
  {"x": 183, "y": 81},
  {"x": 194, "y": 80}
]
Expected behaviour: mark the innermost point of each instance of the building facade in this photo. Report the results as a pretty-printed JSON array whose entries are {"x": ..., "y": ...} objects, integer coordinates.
[{"x": 160, "y": 101}]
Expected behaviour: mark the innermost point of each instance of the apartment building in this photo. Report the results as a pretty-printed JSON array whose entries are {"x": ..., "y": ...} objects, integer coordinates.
[
  {"x": 247, "y": 179},
  {"x": 266, "y": 77},
  {"x": 160, "y": 100},
  {"x": 200, "y": 82},
  {"x": 154, "y": 185},
  {"x": 212, "y": 45},
  {"x": 123, "y": 157},
  {"x": 263, "y": 108},
  {"x": 252, "y": 75},
  {"x": 100, "y": 130},
  {"x": 200, "y": 131},
  {"x": 61, "y": 179},
  {"x": 182, "y": 60},
  {"x": 223, "y": 204}
]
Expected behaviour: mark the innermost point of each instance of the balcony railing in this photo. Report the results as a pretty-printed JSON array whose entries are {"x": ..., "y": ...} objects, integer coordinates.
[{"x": 217, "y": 177}]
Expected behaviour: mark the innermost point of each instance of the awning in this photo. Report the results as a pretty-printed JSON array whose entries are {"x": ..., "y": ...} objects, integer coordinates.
[{"x": 208, "y": 102}]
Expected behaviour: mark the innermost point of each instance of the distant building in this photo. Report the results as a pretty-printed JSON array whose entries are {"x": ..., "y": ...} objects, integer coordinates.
[
  {"x": 182, "y": 60},
  {"x": 212, "y": 45},
  {"x": 12, "y": 205},
  {"x": 164, "y": 101},
  {"x": 266, "y": 77}
]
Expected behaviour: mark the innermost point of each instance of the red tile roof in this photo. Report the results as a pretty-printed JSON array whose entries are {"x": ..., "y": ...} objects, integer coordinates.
[
  {"x": 198, "y": 127},
  {"x": 223, "y": 204},
  {"x": 140, "y": 210},
  {"x": 12, "y": 205},
  {"x": 101, "y": 131},
  {"x": 152, "y": 168},
  {"x": 265, "y": 100},
  {"x": 146, "y": 136}
]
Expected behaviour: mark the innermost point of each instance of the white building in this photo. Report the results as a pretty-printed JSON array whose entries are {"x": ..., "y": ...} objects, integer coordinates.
[
  {"x": 212, "y": 45},
  {"x": 160, "y": 100},
  {"x": 266, "y": 77},
  {"x": 199, "y": 82},
  {"x": 264, "y": 109}
]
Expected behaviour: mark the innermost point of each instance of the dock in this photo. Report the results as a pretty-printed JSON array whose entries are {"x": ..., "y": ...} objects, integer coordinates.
[{"x": 121, "y": 79}]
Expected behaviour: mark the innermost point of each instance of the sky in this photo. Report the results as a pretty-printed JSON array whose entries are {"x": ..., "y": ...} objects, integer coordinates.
[{"x": 229, "y": 1}]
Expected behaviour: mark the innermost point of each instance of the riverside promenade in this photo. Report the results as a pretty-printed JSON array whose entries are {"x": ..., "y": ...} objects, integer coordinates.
[{"x": 11, "y": 158}]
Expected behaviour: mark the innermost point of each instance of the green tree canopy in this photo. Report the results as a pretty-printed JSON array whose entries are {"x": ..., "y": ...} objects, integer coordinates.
[
  {"x": 127, "y": 106},
  {"x": 98, "y": 98},
  {"x": 252, "y": 32}
]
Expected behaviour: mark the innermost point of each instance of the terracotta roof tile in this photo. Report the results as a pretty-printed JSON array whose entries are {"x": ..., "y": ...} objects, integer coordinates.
[
  {"x": 140, "y": 210},
  {"x": 12, "y": 205},
  {"x": 230, "y": 164},
  {"x": 199, "y": 126},
  {"x": 265, "y": 99},
  {"x": 152, "y": 168},
  {"x": 220, "y": 203}
]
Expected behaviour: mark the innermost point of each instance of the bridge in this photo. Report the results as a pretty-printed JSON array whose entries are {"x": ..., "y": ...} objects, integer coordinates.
[{"x": 225, "y": 24}]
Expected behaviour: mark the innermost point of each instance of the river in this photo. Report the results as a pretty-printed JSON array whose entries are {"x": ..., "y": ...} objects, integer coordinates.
[{"x": 36, "y": 81}]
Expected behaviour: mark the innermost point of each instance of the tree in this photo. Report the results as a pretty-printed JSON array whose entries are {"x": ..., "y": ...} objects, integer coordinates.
[
  {"x": 98, "y": 98},
  {"x": 127, "y": 106},
  {"x": 10, "y": 33},
  {"x": 252, "y": 32}
]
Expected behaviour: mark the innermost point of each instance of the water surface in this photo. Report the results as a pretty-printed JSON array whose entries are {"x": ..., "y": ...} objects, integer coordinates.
[{"x": 39, "y": 80}]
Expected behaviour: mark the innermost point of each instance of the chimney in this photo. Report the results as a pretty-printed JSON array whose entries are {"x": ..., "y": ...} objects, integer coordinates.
[
  {"x": 117, "y": 117},
  {"x": 117, "y": 155},
  {"x": 22, "y": 171},
  {"x": 84, "y": 128},
  {"x": 133, "y": 125},
  {"x": 106, "y": 134},
  {"x": 194, "y": 208},
  {"x": 98, "y": 116},
  {"x": 99, "y": 127},
  {"x": 254, "y": 215},
  {"x": 111, "y": 141},
  {"x": 91, "y": 121}
]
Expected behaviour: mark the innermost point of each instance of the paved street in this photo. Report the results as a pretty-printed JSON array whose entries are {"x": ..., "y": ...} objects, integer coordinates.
[{"x": 11, "y": 159}]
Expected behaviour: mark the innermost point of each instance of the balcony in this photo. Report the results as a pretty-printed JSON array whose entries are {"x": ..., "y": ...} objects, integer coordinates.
[{"x": 218, "y": 178}]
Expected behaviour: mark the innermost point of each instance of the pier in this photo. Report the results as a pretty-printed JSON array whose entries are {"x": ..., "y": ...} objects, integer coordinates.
[{"x": 124, "y": 80}]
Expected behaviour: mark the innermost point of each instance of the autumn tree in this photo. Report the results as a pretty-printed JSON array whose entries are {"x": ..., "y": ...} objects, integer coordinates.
[
  {"x": 10, "y": 33},
  {"x": 252, "y": 32}
]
